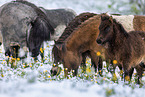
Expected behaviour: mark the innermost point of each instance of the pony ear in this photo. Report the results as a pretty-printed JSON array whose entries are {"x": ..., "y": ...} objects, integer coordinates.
[
  {"x": 110, "y": 19},
  {"x": 105, "y": 17}
]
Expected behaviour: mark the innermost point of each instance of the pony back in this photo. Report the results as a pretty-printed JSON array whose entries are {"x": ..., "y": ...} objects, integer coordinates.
[{"x": 78, "y": 20}]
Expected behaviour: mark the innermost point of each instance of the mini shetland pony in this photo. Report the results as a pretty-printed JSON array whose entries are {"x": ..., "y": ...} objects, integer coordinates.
[
  {"x": 68, "y": 31},
  {"x": 80, "y": 39},
  {"x": 130, "y": 23},
  {"x": 27, "y": 25},
  {"x": 127, "y": 48}
]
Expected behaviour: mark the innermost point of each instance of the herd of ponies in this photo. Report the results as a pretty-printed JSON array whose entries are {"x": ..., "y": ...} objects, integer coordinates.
[{"x": 24, "y": 27}]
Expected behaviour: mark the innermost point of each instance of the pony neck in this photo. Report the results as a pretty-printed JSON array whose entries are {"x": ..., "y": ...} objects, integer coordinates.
[
  {"x": 119, "y": 36},
  {"x": 118, "y": 27}
]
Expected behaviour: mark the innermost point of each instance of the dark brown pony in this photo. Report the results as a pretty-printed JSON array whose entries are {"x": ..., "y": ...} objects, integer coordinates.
[
  {"x": 127, "y": 48},
  {"x": 78, "y": 41}
]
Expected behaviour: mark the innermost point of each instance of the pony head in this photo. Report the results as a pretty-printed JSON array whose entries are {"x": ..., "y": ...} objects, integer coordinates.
[
  {"x": 57, "y": 53},
  {"x": 106, "y": 30},
  {"x": 40, "y": 31}
]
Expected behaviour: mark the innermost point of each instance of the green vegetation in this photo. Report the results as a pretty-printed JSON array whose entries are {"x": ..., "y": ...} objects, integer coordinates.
[
  {"x": 14, "y": 69},
  {"x": 136, "y": 7}
]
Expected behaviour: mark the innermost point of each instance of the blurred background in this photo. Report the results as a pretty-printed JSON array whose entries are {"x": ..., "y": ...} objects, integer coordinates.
[
  {"x": 96, "y": 6},
  {"x": 34, "y": 80}
]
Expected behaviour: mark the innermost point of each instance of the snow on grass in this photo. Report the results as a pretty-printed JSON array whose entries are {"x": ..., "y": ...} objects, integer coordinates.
[
  {"x": 33, "y": 79},
  {"x": 28, "y": 78}
]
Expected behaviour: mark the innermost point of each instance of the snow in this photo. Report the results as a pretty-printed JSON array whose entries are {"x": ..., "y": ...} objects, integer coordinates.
[
  {"x": 35, "y": 81},
  {"x": 97, "y": 6}
]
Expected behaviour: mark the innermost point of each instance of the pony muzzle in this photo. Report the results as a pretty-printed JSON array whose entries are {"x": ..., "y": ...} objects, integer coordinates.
[
  {"x": 99, "y": 41},
  {"x": 55, "y": 70}
]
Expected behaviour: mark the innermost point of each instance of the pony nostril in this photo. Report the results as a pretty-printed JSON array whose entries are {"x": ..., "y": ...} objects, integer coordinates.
[
  {"x": 53, "y": 72},
  {"x": 99, "y": 41}
]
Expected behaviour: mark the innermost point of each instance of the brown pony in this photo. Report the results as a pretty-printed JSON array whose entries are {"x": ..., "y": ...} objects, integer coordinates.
[
  {"x": 78, "y": 41},
  {"x": 127, "y": 48}
]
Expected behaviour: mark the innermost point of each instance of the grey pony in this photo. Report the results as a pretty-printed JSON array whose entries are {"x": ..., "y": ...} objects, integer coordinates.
[
  {"x": 24, "y": 25},
  {"x": 59, "y": 19}
]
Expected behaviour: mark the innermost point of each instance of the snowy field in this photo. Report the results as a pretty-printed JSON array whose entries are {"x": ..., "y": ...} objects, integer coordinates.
[{"x": 33, "y": 79}]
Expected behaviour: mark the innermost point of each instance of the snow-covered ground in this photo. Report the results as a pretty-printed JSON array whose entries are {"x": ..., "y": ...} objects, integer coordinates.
[{"x": 35, "y": 80}]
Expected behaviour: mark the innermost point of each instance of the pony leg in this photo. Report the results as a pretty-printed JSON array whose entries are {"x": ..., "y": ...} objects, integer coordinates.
[
  {"x": 126, "y": 76},
  {"x": 126, "y": 72},
  {"x": 42, "y": 53},
  {"x": 66, "y": 71},
  {"x": 131, "y": 72},
  {"x": 67, "y": 68},
  {"x": 100, "y": 65},
  {"x": 93, "y": 64},
  {"x": 121, "y": 71},
  {"x": 75, "y": 64},
  {"x": 108, "y": 62},
  {"x": 74, "y": 67},
  {"x": 71, "y": 61},
  {"x": 97, "y": 62},
  {"x": 71, "y": 65},
  {"x": 83, "y": 63},
  {"x": 94, "y": 60},
  {"x": 75, "y": 72},
  {"x": 110, "y": 66},
  {"x": 142, "y": 65},
  {"x": 139, "y": 70}
]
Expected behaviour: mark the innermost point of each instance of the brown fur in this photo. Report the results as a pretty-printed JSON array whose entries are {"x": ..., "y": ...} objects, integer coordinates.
[
  {"x": 81, "y": 40},
  {"x": 57, "y": 49},
  {"x": 69, "y": 29},
  {"x": 73, "y": 25},
  {"x": 127, "y": 48},
  {"x": 70, "y": 56},
  {"x": 139, "y": 23}
]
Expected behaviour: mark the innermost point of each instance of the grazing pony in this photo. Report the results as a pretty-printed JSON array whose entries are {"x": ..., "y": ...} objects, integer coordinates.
[
  {"x": 77, "y": 41},
  {"x": 57, "y": 49},
  {"x": 25, "y": 26},
  {"x": 127, "y": 48}
]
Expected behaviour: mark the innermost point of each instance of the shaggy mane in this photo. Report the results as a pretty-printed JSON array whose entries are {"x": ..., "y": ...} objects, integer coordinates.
[
  {"x": 78, "y": 20},
  {"x": 120, "y": 27}
]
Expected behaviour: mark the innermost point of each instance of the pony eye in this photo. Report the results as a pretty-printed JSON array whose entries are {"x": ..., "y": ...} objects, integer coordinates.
[{"x": 107, "y": 29}]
